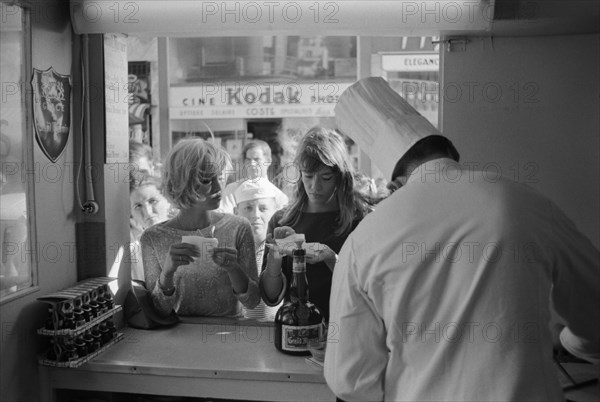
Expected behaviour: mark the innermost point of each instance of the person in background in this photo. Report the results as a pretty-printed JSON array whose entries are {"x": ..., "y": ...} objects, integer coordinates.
[
  {"x": 141, "y": 158},
  {"x": 148, "y": 206},
  {"x": 141, "y": 164},
  {"x": 444, "y": 291},
  {"x": 382, "y": 190},
  {"x": 365, "y": 185},
  {"x": 257, "y": 158},
  {"x": 183, "y": 278},
  {"x": 325, "y": 208},
  {"x": 256, "y": 201}
]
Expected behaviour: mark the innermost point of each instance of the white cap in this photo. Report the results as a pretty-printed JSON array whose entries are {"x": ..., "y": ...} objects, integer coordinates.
[
  {"x": 380, "y": 121},
  {"x": 254, "y": 189}
]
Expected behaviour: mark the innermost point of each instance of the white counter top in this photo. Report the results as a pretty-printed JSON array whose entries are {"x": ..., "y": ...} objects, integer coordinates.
[{"x": 222, "y": 360}]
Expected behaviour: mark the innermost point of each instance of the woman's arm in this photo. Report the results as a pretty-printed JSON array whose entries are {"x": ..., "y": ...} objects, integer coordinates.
[
  {"x": 271, "y": 281},
  {"x": 240, "y": 265},
  {"x": 163, "y": 303},
  {"x": 318, "y": 252}
]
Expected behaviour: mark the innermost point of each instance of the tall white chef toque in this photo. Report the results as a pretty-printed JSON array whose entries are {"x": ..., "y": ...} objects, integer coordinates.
[{"x": 381, "y": 122}]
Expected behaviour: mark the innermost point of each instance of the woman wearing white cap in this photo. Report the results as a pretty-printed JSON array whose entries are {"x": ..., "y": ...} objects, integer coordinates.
[
  {"x": 257, "y": 201},
  {"x": 325, "y": 208}
]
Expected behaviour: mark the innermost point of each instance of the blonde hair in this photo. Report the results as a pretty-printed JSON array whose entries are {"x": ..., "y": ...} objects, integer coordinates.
[
  {"x": 322, "y": 147},
  {"x": 190, "y": 167}
]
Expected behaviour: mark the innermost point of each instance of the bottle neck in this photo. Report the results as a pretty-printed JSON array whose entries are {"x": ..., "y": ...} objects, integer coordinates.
[{"x": 299, "y": 286}]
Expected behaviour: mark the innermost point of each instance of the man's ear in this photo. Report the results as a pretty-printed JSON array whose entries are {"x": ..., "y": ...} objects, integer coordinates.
[
  {"x": 397, "y": 183},
  {"x": 235, "y": 210}
]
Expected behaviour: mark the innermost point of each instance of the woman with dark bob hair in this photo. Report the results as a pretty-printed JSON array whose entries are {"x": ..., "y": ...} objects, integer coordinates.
[
  {"x": 325, "y": 207},
  {"x": 214, "y": 281}
]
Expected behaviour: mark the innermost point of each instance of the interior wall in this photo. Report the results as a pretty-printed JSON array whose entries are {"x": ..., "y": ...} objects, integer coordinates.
[
  {"x": 528, "y": 107},
  {"x": 54, "y": 216}
]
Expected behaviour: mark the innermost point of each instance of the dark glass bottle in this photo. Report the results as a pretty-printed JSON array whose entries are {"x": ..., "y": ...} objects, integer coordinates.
[{"x": 298, "y": 322}]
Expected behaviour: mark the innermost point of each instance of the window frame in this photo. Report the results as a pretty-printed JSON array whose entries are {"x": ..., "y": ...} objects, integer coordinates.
[{"x": 27, "y": 163}]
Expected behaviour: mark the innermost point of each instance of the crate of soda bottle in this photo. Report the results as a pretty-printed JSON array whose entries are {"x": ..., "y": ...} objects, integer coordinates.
[
  {"x": 73, "y": 351},
  {"x": 80, "y": 323}
]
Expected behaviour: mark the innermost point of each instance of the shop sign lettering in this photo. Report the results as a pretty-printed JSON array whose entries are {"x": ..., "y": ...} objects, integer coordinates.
[
  {"x": 410, "y": 62},
  {"x": 244, "y": 100},
  {"x": 238, "y": 97}
]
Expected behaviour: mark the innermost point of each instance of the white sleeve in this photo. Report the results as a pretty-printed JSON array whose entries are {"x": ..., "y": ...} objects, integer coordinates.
[
  {"x": 576, "y": 284},
  {"x": 228, "y": 199},
  {"x": 356, "y": 355},
  {"x": 281, "y": 199}
]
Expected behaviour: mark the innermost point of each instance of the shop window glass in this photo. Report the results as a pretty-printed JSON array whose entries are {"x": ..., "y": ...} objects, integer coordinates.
[
  {"x": 272, "y": 88},
  {"x": 411, "y": 66},
  {"x": 230, "y": 90},
  {"x": 15, "y": 152},
  {"x": 288, "y": 57}
]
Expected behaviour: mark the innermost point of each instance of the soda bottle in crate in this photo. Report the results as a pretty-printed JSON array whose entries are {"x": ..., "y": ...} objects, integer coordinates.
[{"x": 80, "y": 323}]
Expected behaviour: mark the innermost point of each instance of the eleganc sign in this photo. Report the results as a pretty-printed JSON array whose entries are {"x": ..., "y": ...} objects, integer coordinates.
[{"x": 410, "y": 62}]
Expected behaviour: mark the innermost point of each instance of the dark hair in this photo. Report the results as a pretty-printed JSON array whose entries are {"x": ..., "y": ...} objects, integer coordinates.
[
  {"x": 257, "y": 144},
  {"x": 429, "y": 146},
  {"x": 322, "y": 147}
]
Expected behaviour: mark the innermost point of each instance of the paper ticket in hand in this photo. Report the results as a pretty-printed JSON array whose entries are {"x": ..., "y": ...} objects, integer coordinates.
[
  {"x": 286, "y": 245},
  {"x": 313, "y": 249},
  {"x": 206, "y": 245}
]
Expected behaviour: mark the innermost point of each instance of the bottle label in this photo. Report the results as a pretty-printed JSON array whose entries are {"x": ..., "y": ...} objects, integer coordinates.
[{"x": 296, "y": 339}]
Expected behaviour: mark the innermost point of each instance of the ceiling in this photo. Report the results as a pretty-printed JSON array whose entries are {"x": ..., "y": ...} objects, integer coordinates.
[
  {"x": 545, "y": 17},
  {"x": 191, "y": 18}
]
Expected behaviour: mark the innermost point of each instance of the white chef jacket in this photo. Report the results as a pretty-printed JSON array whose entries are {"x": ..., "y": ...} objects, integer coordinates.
[{"x": 442, "y": 293}]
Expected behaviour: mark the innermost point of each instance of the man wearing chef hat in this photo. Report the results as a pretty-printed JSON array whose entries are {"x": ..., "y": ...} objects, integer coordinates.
[{"x": 443, "y": 292}]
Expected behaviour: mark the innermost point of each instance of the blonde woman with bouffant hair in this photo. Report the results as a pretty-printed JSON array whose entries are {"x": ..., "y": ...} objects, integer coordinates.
[
  {"x": 189, "y": 169},
  {"x": 192, "y": 280}
]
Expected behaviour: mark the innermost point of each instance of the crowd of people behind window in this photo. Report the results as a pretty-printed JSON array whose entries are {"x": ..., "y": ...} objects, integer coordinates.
[{"x": 189, "y": 196}]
